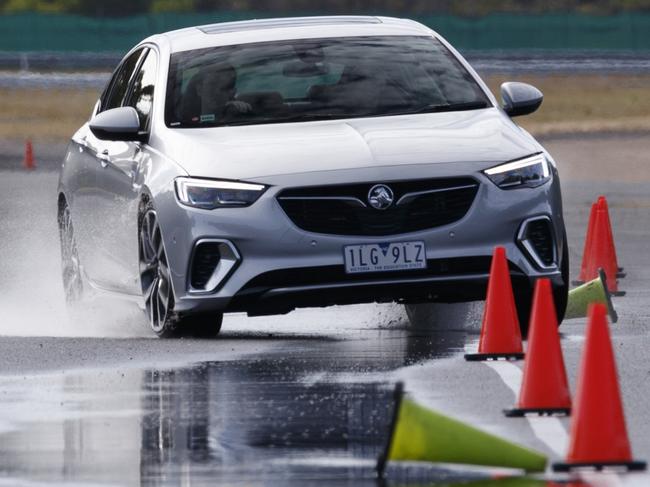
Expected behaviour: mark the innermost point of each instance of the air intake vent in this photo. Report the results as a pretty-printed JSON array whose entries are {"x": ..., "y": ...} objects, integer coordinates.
[
  {"x": 213, "y": 261},
  {"x": 537, "y": 238},
  {"x": 205, "y": 261}
]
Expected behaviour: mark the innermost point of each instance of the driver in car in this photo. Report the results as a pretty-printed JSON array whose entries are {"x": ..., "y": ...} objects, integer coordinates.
[{"x": 211, "y": 95}]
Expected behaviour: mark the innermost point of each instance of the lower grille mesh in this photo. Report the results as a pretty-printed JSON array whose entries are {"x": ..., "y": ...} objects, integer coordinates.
[
  {"x": 205, "y": 261},
  {"x": 540, "y": 236},
  {"x": 314, "y": 276},
  {"x": 342, "y": 210}
]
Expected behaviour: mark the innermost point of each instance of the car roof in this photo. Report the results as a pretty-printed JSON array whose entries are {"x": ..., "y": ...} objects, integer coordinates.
[
  {"x": 259, "y": 24},
  {"x": 265, "y": 30}
]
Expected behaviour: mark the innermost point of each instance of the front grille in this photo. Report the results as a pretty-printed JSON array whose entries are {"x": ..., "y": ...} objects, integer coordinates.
[
  {"x": 538, "y": 234},
  {"x": 344, "y": 209},
  {"x": 205, "y": 261}
]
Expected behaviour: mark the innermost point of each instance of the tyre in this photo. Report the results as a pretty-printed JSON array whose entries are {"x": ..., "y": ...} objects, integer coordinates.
[
  {"x": 157, "y": 290},
  {"x": 561, "y": 293},
  {"x": 202, "y": 325},
  {"x": 523, "y": 302},
  {"x": 429, "y": 316},
  {"x": 71, "y": 271}
]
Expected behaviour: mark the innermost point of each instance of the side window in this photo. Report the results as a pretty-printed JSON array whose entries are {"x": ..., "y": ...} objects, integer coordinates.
[
  {"x": 120, "y": 82},
  {"x": 141, "y": 97}
]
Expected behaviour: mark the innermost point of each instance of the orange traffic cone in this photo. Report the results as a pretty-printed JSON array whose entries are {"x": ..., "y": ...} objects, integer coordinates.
[
  {"x": 602, "y": 203},
  {"x": 500, "y": 333},
  {"x": 598, "y": 436},
  {"x": 602, "y": 254},
  {"x": 587, "y": 247},
  {"x": 587, "y": 254},
  {"x": 545, "y": 388},
  {"x": 28, "y": 162}
]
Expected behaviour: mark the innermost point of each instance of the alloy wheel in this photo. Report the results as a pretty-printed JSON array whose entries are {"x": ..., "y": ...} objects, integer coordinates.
[{"x": 154, "y": 273}]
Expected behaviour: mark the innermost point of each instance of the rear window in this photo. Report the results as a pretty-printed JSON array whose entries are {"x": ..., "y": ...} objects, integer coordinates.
[{"x": 321, "y": 79}]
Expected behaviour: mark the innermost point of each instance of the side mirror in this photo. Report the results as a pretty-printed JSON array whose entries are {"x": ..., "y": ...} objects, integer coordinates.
[
  {"x": 520, "y": 98},
  {"x": 120, "y": 123}
]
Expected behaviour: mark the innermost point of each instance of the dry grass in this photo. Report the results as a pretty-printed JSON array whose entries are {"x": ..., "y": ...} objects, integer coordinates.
[
  {"x": 44, "y": 114},
  {"x": 587, "y": 103},
  {"x": 577, "y": 103}
]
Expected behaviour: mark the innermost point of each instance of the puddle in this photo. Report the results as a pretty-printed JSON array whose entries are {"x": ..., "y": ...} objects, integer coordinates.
[{"x": 252, "y": 421}]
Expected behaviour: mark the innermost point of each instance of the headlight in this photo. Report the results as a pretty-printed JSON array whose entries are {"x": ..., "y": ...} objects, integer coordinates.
[
  {"x": 525, "y": 173},
  {"x": 209, "y": 194}
]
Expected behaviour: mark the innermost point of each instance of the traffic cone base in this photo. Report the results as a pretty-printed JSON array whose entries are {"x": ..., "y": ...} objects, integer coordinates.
[
  {"x": 595, "y": 291},
  {"x": 419, "y": 434},
  {"x": 483, "y": 357},
  {"x": 521, "y": 412},
  {"x": 633, "y": 466}
]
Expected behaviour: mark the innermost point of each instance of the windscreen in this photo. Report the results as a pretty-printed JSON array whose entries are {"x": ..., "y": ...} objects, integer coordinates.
[{"x": 316, "y": 79}]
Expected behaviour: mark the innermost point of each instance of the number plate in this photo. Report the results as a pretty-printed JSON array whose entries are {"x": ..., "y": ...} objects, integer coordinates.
[{"x": 384, "y": 257}]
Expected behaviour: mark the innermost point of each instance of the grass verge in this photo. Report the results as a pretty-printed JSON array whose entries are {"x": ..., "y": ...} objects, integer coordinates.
[{"x": 586, "y": 103}]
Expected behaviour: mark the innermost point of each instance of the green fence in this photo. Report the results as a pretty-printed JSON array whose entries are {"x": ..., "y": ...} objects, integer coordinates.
[{"x": 42, "y": 32}]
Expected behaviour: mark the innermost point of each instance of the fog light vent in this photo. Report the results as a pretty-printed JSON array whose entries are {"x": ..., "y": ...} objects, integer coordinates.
[
  {"x": 536, "y": 236},
  {"x": 206, "y": 259},
  {"x": 212, "y": 262}
]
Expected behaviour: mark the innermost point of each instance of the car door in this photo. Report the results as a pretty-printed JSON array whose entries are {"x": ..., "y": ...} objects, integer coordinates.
[
  {"x": 117, "y": 188},
  {"x": 79, "y": 165},
  {"x": 99, "y": 266}
]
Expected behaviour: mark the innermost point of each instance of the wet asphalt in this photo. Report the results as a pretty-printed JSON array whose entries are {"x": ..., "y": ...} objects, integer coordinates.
[{"x": 285, "y": 400}]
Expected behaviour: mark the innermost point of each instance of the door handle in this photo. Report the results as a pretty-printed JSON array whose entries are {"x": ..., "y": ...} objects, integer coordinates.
[{"x": 104, "y": 158}]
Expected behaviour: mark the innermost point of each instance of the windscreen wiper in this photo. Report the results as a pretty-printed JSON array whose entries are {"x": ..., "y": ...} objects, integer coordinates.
[
  {"x": 311, "y": 117},
  {"x": 450, "y": 107},
  {"x": 304, "y": 117}
]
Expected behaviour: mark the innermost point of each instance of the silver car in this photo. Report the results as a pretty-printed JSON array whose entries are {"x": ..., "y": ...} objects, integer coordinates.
[{"x": 266, "y": 165}]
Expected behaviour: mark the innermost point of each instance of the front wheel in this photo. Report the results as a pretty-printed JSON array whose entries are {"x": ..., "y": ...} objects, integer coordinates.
[{"x": 157, "y": 291}]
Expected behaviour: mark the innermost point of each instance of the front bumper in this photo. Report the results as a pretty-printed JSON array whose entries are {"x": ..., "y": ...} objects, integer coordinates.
[{"x": 282, "y": 267}]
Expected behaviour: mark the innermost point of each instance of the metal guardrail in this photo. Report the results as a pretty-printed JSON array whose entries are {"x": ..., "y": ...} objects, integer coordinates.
[
  {"x": 59, "y": 61},
  {"x": 520, "y": 60},
  {"x": 91, "y": 70}
]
